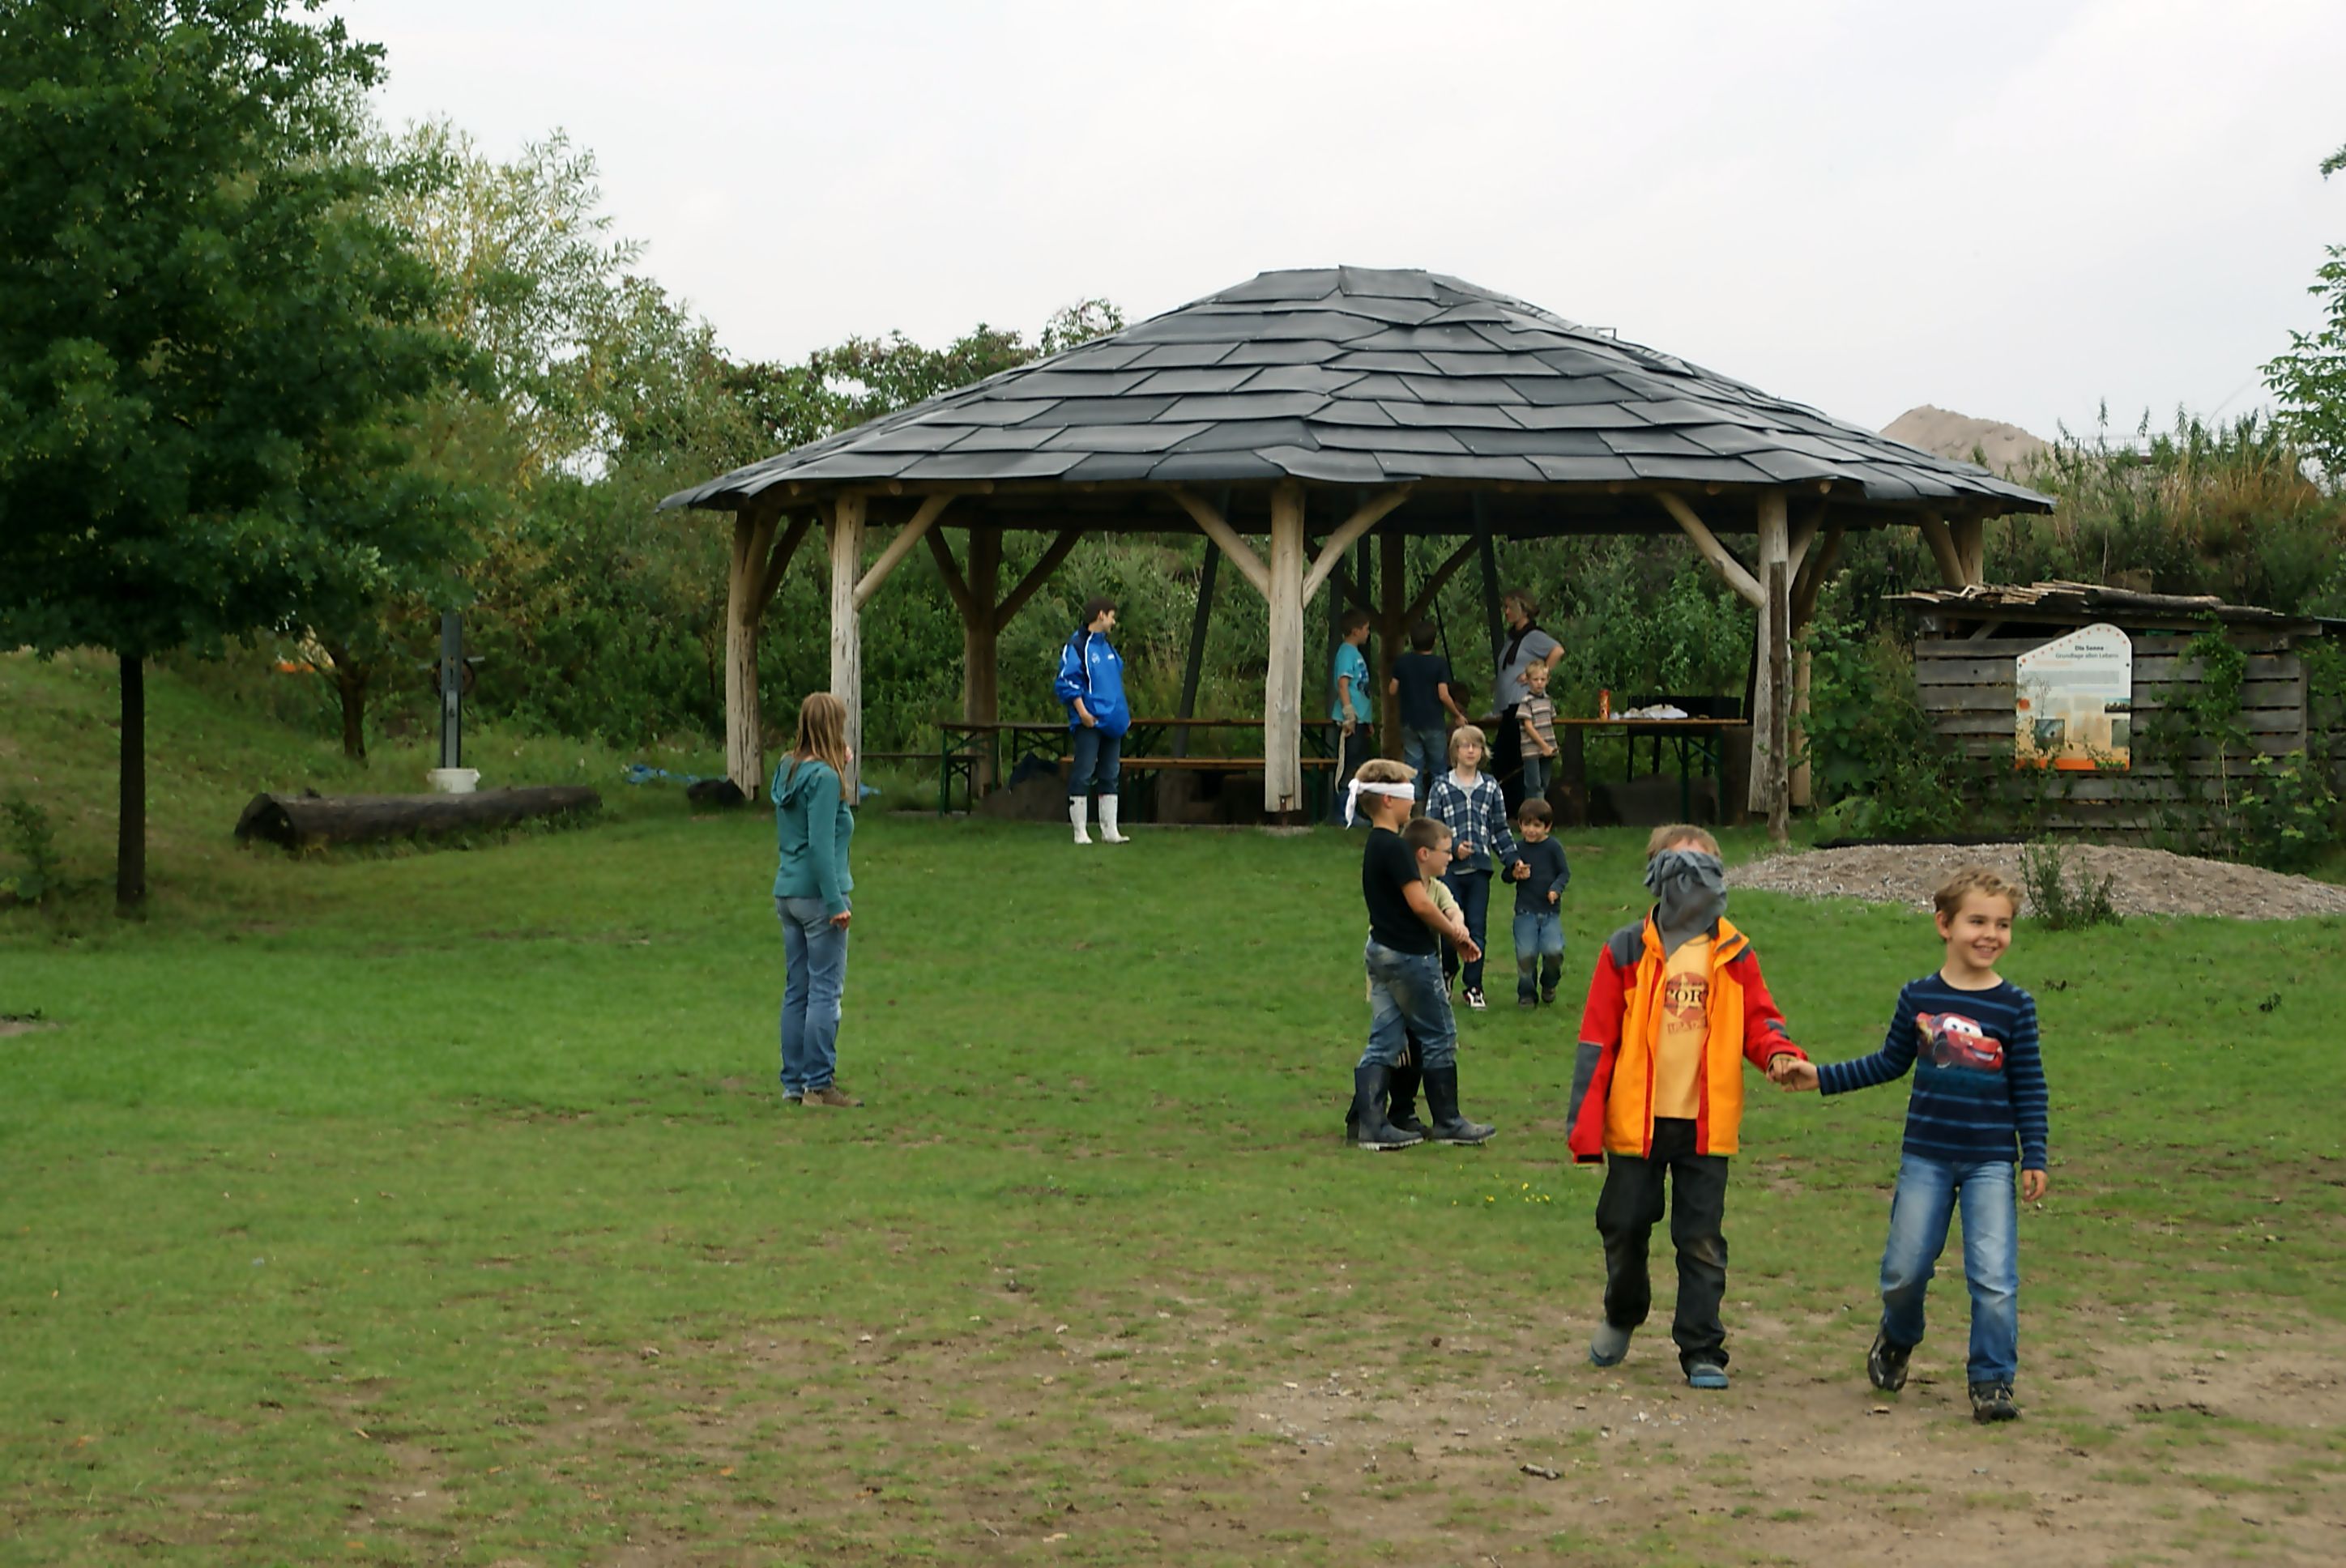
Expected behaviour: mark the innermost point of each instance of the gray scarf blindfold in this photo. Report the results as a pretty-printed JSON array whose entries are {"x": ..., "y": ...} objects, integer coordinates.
[{"x": 1690, "y": 893}]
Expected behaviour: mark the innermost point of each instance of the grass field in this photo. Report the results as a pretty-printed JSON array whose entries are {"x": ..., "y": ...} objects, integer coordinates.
[{"x": 412, "y": 1208}]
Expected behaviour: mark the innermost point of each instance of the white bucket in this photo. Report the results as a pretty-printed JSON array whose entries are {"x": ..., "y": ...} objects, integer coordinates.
[{"x": 454, "y": 781}]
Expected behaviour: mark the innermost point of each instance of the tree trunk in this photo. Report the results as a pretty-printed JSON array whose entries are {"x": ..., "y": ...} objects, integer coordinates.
[
  {"x": 1282, "y": 772},
  {"x": 351, "y": 682},
  {"x": 130, "y": 833},
  {"x": 301, "y": 821}
]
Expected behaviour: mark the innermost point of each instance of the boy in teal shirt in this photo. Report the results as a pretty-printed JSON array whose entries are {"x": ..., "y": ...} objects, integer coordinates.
[{"x": 1352, "y": 709}]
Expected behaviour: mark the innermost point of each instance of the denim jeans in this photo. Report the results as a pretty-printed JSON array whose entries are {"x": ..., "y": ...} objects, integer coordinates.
[
  {"x": 1626, "y": 1211},
  {"x": 1472, "y": 892},
  {"x": 1536, "y": 773},
  {"x": 1428, "y": 751},
  {"x": 1097, "y": 756},
  {"x": 1408, "y": 1001},
  {"x": 815, "y": 951},
  {"x": 1928, "y": 1192},
  {"x": 1539, "y": 946}
]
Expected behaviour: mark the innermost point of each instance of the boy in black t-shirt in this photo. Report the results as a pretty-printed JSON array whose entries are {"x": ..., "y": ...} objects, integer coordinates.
[
  {"x": 1408, "y": 1002},
  {"x": 1420, "y": 678}
]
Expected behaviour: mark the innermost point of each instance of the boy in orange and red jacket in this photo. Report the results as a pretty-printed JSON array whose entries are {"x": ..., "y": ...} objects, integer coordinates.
[{"x": 1675, "y": 1008}]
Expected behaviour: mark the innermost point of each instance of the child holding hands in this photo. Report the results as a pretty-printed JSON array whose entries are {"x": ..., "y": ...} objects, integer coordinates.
[{"x": 1979, "y": 1097}]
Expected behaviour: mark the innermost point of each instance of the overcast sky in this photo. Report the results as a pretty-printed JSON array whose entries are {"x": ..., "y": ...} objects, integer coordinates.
[{"x": 2018, "y": 210}]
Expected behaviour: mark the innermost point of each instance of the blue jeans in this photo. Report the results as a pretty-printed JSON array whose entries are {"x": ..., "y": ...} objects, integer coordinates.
[
  {"x": 1428, "y": 751},
  {"x": 1408, "y": 1002},
  {"x": 1539, "y": 946},
  {"x": 816, "y": 953},
  {"x": 1928, "y": 1192},
  {"x": 1536, "y": 773},
  {"x": 1097, "y": 756},
  {"x": 1472, "y": 892}
]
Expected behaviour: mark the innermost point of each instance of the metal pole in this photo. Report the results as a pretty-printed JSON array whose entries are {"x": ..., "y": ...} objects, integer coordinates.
[{"x": 452, "y": 689}]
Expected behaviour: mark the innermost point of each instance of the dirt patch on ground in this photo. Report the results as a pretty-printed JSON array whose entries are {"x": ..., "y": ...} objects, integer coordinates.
[
  {"x": 2142, "y": 882},
  {"x": 24, "y": 1023}
]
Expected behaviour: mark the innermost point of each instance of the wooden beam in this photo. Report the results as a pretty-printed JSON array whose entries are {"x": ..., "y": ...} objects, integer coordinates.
[
  {"x": 1942, "y": 549},
  {"x": 950, "y": 570},
  {"x": 1282, "y": 714},
  {"x": 778, "y": 560},
  {"x": 924, "y": 519},
  {"x": 753, "y": 540},
  {"x": 1745, "y": 584},
  {"x": 981, "y": 644},
  {"x": 1216, "y": 527},
  {"x": 1432, "y": 586},
  {"x": 1970, "y": 549},
  {"x": 1809, "y": 582},
  {"x": 1367, "y": 516},
  {"x": 847, "y": 624},
  {"x": 1771, "y": 745},
  {"x": 1194, "y": 665},
  {"x": 1392, "y": 631},
  {"x": 1007, "y": 611},
  {"x": 1804, "y": 533}
]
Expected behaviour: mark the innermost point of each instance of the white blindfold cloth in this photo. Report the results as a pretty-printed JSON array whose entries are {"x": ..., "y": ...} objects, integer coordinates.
[{"x": 1356, "y": 788}]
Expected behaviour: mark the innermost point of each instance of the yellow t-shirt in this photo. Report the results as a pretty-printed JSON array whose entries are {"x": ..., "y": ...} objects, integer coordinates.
[{"x": 1685, "y": 1031}]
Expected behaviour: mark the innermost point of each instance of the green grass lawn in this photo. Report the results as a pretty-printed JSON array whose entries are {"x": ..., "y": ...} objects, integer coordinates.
[{"x": 414, "y": 1208}]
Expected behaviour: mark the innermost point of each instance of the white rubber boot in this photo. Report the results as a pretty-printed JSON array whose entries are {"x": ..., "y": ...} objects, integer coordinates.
[
  {"x": 1076, "y": 810},
  {"x": 1108, "y": 835}
]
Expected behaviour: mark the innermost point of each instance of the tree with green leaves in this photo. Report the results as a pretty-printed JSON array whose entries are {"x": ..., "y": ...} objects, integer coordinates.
[
  {"x": 2310, "y": 381},
  {"x": 208, "y": 337}
]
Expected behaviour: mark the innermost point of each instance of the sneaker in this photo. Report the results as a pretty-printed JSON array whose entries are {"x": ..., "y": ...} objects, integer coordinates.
[
  {"x": 1706, "y": 1375},
  {"x": 1608, "y": 1345},
  {"x": 792, "y": 1097},
  {"x": 1993, "y": 1402},
  {"x": 1525, "y": 1001},
  {"x": 1548, "y": 997},
  {"x": 832, "y": 1094},
  {"x": 1885, "y": 1364},
  {"x": 1475, "y": 999}
]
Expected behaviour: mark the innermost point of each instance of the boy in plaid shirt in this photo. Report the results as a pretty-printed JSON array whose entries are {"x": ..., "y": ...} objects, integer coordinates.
[{"x": 1468, "y": 801}]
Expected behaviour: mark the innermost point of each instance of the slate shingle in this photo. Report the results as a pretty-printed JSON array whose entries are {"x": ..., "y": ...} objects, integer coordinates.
[{"x": 1350, "y": 375}]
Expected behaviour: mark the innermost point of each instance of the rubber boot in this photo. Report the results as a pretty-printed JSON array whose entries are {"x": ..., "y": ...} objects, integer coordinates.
[
  {"x": 1401, "y": 1109},
  {"x": 1441, "y": 1105},
  {"x": 1108, "y": 835},
  {"x": 1370, "y": 1131},
  {"x": 1077, "y": 810}
]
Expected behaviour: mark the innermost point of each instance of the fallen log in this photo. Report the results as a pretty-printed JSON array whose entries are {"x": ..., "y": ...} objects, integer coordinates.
[{"x": 306, "y": 821}]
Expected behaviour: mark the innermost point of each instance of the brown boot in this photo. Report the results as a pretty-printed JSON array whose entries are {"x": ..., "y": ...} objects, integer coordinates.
[{"x": 831, "y": 1094}]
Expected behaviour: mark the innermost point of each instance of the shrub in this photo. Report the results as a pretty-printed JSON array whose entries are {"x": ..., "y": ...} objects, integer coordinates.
[
  {"x": 2054, "y": 898},
  {"x": 1875, "y": 762}
]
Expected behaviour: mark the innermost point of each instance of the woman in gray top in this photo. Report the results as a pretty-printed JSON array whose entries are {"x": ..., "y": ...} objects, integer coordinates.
[{"x": 1526, "y": 645}]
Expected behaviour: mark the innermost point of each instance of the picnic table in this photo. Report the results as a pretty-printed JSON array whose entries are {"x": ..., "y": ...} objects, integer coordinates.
[
  {"x": 963, "y": 744},
  {"x": 1691, "y": 739}
]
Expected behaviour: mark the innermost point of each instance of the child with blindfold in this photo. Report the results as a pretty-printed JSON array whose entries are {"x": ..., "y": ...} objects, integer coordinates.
[{"x": 1676, "y": 1007}]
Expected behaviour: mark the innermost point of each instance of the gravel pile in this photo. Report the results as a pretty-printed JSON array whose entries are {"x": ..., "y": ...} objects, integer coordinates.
[{"x": 2142, "y": 882}]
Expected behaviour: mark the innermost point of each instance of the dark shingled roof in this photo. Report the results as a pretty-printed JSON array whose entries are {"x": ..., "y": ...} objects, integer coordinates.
[{"x": 1362, "y": 376}]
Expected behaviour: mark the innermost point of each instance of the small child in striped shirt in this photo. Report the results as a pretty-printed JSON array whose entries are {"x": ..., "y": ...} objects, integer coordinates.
[{"x": 1979, "y": 1098}]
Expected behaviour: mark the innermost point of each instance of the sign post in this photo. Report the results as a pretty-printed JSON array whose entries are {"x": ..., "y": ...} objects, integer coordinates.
[{"x": 452, "y": 689}]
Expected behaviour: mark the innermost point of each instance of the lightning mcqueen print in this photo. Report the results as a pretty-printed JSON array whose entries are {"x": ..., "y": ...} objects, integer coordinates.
[{"x": 1952, "y": 1040}]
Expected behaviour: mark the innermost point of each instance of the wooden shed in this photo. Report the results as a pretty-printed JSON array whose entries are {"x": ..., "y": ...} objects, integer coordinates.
[{"x": 1970, "y": 641}]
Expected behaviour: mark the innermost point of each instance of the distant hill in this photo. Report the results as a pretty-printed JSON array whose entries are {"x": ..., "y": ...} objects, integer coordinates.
[{"x": 1943, "y": 434}]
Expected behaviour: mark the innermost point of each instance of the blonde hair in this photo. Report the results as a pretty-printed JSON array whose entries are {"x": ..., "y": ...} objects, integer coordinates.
[
  {"x": 1385, "y": 770},
  {"x": 1949, "y": 900},
  {"x": 822, "y": 737},
  {"x": 1465, "y": 733},
  {"x": 1671, "y": 834}
]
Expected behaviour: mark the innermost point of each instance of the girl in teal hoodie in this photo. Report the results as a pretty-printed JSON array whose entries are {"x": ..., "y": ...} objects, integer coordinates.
[{"x": 812, "y": 826}]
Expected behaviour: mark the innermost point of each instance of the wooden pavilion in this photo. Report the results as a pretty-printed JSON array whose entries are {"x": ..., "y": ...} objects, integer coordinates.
[{"x": 1311, "y": 409}]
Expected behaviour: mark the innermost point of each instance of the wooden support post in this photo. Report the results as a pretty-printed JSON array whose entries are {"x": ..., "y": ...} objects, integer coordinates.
[
  {"x": 747, "y": 594},
  {"x": 901, "y": 547},
  {"x": 1215, "y": 526},
  {"x": 1745, "y": 584},
  {"x": 1194, "y": 665},
  {"x": 1970, "y": 535},
  {"x": 1392, "y": 586},
  {"x": 1037, "y": 575},
  {"x": 1942, "y": 550},
  {"x": 1283, "y": 736},
  {"x": 1779, "y": 690},
  {"x": 1808, "y": 575},
  {"x": 1431, "y": 589},
  {"x": 981, "y": 644},
  {"x": 1770, "y": 761},
  {"x": 1363, "y": 518},
  {"x": 846, "y": 527}
]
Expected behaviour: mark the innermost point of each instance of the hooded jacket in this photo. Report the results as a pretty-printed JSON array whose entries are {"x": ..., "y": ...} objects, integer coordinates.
[
  {"x": 811, "y": 826},
  {"x": 1613, "y": 1080},
  {"x": 1091, "y": 668}
]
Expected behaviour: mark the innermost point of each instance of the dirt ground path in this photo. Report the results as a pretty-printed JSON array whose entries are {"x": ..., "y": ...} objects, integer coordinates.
[{"x": 2142, "y": 882}]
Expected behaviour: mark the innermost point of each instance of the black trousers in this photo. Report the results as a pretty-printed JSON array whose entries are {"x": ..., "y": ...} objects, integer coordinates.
[
  {"x": 1627, "y": 1212},
  {"x": 1507, "y": 760}
]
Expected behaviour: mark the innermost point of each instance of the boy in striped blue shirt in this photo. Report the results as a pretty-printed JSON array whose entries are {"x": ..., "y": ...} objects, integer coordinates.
[{"x": 1970, "y": 1036}]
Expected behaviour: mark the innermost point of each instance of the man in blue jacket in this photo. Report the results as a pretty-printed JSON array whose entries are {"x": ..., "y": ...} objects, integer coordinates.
[{"x": 1091, "y": 684}]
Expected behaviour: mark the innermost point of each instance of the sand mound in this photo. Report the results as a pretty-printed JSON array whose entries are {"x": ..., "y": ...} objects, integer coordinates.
[
  {"x": 1944, "y": 434},
  {"x": 2142, "y": 882}
]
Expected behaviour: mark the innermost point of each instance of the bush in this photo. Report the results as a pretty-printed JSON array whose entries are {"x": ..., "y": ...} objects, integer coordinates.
[
  {"x": 2061, "y": 902},
  {"x": 41, "y": 877},
  {"x": 1875, "y": 763},
  {"x": 2287, "y": 813}
]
